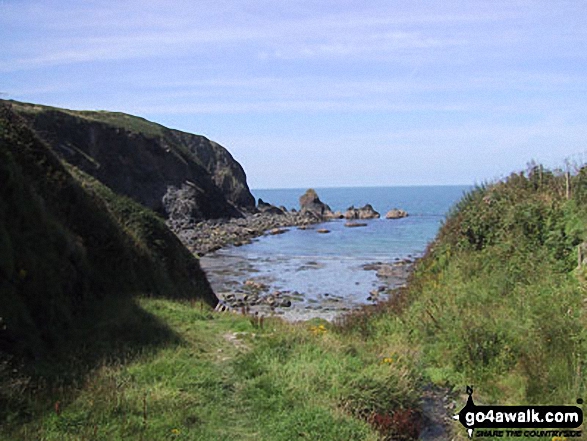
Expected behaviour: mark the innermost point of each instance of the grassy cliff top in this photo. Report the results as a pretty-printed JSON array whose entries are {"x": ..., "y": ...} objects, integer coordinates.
[{"x": 117, "y": 119}]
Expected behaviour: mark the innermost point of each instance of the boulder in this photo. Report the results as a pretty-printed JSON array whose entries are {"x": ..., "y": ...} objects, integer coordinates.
[
  {"x": 396, "y": 213},
  {"x": 366, "y": 212},
  {"x": 310, "y": 204},
  {"x": 265, "y": 207}
]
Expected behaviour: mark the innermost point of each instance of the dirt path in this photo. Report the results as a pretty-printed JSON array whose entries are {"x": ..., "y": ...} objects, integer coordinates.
[{"x": 437, "y": 407}]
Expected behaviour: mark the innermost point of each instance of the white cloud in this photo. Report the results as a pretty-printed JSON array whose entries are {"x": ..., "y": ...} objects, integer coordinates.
[{"x": 492, "y": 78}]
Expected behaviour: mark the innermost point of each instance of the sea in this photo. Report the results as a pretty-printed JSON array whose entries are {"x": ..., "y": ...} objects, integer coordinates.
[{"x": 328, "y": 270}]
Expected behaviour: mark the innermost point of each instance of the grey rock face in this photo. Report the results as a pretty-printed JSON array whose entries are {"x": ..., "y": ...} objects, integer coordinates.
[{"x": 171, "y": 172}]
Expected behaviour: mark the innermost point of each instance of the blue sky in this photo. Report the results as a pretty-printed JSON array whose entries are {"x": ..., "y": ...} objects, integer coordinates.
[{"x": 322, "y": 93}]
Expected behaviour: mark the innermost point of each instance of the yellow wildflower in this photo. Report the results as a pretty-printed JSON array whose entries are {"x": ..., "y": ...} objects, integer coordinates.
[{"x": 317, "y": 330}]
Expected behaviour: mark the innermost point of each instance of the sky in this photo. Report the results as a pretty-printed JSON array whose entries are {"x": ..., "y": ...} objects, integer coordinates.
[{"x": 322, "y": 93}]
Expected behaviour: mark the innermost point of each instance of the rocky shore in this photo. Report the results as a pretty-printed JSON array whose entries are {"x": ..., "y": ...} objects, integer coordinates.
[
  {"x": 259, "y": 288},
  {"x": 247, "y": 287},
  {"x": 210, "y": 235}
]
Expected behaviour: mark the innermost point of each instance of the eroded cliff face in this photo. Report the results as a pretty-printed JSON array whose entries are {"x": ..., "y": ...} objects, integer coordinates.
[{"x": 182, "y": 176}]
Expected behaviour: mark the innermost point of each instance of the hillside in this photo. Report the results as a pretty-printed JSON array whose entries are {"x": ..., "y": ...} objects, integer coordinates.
[
  {"x": 499, "y": 300},
  {"x": 68, "y": 243},
  {"x": 181, "y": 176},
  {"x": 88, "y": 352}
]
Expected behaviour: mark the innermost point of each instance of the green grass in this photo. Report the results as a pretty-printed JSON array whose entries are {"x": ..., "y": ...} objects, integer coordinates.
[
  {"x": 67, "y": 242},
  {"x": 498, "y": 301},
  {"x": 223, "y": 378},
  {"x": 117, "y": 119},
  {"x": 130, "y": 123}
]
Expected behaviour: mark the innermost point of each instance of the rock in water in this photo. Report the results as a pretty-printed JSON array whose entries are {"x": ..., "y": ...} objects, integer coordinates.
[
  {"x": 366, "y": 212},
  {"x": 310, "y": 204},
  {"x": 276, "y": 231},
  {"x": 396, "y": 213},
  {"x": 355, "y": 224}
]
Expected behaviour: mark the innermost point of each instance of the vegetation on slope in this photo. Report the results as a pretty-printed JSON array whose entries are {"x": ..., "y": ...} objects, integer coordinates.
[
  {"x": 67, "y": 244},
  {"x": 226, "y": 378},
  {"x": 499, "y": 301}
]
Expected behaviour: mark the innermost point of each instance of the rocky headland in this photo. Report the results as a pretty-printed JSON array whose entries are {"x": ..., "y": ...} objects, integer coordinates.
[
  {"x": 192, "y": 183},
  {"x": 210, "y": 235},
  {"x": 183, "y": 177}
]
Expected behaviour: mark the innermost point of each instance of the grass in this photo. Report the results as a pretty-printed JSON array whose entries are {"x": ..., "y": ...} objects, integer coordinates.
[
  {"x": 222, "y": 378},
  {"x": 498, "y": 301},
  {"x": 117, "y": 119},
  {"x": 67, "y": 242}
]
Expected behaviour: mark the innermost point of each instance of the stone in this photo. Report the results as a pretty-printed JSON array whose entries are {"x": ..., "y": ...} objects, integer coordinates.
[
  {"x": 310, "y": 204},
  {"x": 265, "y": 207},
  {"x": 355, "y": 224},
  {"x": 396, "y": 213},
  {"x": 366, "y": 212},
  {"x": 323, "y": 231}
]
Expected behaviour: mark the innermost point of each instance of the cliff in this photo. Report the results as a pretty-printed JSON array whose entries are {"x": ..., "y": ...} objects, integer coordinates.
[{"x": 181, "y": 176}]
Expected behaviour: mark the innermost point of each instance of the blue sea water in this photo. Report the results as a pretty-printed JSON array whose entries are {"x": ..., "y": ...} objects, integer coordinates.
[
  {"x": 426, "y": 205},
  {"x": 328, "y": 269}
]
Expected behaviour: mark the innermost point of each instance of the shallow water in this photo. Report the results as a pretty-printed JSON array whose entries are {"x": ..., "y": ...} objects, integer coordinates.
[{"x": 327, "y": 269}]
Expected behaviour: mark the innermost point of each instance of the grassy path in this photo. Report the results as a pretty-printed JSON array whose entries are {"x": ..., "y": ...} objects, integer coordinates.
[{"x": 224, "y": 379}]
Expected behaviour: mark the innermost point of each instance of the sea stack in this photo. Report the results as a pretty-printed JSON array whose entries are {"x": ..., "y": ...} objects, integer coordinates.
[{"x": 310, "y": 204}]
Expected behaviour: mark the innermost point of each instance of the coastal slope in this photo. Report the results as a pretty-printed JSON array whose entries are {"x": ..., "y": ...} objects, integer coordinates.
[
  {"x": 68, "y": 243},
  {"x": 183, "y": 177}
]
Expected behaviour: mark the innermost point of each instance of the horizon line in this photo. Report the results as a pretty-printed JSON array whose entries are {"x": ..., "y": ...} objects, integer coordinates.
[{"x": 361, "y": 186}]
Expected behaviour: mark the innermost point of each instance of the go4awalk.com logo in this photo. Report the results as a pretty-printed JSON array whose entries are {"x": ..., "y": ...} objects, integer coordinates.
[{"x": 520, "y": 421}]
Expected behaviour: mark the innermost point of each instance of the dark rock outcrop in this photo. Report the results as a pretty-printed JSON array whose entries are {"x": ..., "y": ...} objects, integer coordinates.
[
  {"x": 355, "y": 224},
  {"x": 311, "y": 205},
  {"x": 366, "y": 212},
  {"x": 265, "y": 207},
  {"x": 183, "y": 177}
]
